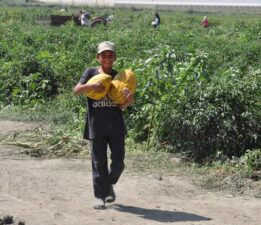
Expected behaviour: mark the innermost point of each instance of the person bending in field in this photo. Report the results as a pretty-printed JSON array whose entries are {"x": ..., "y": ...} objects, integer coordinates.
[
  {"x": 156, "y": 22},
  {"x": 205, "y": 22},
  {"x": 84, "y": 18},
  {"x": 104, "y": 127}
]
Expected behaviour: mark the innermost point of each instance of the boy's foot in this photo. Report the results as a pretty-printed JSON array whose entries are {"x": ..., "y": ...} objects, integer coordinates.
[
  {"x": 99, "y": 204},
  {"x": 111, "y": 198}
]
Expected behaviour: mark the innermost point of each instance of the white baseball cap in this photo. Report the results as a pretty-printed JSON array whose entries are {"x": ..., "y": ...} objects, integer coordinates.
[{"x": 106, "y": 45}]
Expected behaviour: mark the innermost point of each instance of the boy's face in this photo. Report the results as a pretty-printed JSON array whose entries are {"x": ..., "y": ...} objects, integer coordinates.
[{"x": 106, "y": 59}]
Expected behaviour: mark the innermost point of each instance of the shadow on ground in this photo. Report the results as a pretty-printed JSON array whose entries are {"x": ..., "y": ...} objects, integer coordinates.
[{"x": 160, "y": 215}]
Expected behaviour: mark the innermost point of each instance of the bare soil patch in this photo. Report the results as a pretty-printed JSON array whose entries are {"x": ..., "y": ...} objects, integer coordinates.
[{"x": 59, "y": 192}]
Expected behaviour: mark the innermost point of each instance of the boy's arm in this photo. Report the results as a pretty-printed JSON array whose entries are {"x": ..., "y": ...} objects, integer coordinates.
[{"x": 83, "y": 88}]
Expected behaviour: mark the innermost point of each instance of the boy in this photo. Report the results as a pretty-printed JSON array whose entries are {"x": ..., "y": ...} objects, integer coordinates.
[{"x": 104, "y": 126}]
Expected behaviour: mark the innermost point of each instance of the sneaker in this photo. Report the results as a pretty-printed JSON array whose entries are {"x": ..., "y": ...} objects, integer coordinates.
[
  {"x": 111, "y": 197},
  {"x": 100, "y": 204}
]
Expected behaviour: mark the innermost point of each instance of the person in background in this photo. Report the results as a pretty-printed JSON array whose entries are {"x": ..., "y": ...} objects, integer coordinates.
[
  {"x": 104, "y": 127},
  {"x": 205, "y": 22},
  {"x": 63, "y": 9},
  {"x": 109, "y": 19},
  {"x": 156, "y": 22},
  {"x": 84, "y": 18}
]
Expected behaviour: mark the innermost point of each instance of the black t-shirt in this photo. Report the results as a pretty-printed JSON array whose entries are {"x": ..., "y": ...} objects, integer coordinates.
[{"x": 104, "y": 117}]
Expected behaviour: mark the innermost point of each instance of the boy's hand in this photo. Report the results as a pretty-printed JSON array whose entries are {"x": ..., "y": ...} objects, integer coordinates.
[
  {"x": 128, "y": 94},
  {"x": 129, "y": 98},
  {"x": 98, "y": 87}
]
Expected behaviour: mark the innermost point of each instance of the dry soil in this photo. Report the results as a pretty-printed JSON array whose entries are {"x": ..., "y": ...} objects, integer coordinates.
[{"x": 59, "y": 192}]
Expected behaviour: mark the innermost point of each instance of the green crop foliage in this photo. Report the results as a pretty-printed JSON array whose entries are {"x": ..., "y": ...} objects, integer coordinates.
[
  {"x": 198, "y": 89},
  {"x": 252, "y": 159}
]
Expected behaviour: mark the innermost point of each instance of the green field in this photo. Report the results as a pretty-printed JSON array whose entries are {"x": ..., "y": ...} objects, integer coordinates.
[{"x": 198, "y": 89}]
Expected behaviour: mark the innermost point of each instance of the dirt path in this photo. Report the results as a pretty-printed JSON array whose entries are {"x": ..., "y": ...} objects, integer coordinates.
[{"x": 59, "y": 192}]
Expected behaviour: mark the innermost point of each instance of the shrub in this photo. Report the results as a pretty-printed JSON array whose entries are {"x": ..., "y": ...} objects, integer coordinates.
[
  {"x": 223, "y": 115},
  {"x": 252, "y": 159}
]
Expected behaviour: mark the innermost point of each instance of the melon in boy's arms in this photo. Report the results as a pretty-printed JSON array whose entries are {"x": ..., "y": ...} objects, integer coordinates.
[
  {"x": 105, "y": 80},
  {"x": 124, "y": 79}
]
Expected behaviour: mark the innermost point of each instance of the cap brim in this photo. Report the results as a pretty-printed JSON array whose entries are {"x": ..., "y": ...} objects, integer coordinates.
[{"x": 106, "y": 49}]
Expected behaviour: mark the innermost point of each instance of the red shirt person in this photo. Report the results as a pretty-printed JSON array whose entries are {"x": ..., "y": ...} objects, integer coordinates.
[{"x": 205, "y": 22}]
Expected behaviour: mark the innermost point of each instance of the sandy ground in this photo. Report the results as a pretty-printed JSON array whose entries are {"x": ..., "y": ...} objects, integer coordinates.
[{"x": 59, "y": 192}]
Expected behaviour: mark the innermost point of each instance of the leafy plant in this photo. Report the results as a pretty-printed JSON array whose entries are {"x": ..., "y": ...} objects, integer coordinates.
[
  {"x": 252, "y": 159},
  {"x": 198, "y": 89}
]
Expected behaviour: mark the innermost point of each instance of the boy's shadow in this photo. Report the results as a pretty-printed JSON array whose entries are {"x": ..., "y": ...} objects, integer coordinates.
[{"x": 160, "y": 215}]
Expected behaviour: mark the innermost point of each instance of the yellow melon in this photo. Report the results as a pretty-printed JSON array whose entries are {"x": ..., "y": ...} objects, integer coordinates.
[
  {"x": 123, "y": 79},
  {"x": 105, "y": 79}
]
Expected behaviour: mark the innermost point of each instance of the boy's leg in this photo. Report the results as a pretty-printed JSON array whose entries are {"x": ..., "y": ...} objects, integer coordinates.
[
  {"x": 99, "y": 166},
  {"x": 117, "y": 147}
]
